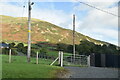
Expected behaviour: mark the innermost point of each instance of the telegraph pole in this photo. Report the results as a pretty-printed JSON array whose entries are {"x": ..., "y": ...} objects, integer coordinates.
[
  {"x": 29, "y": 30},
  {"x": 74, "y": 36}
]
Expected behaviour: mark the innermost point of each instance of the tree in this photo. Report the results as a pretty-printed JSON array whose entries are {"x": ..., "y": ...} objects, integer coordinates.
[
  {"x": 62, "y": 46},
  {"x": 11, "y": 45},
  {"x": 85, "y": 47},
  {"x": 112, "y": 49},
  {"x": 98, "y": 49},
  {"x": 70, "y": 49},
  {"x": 5, "y": 51},
  {"x": 24, "y": 50},
  {"x": 20, "y": 47},
  {"x": 35, "y": 46},
  {"x": 43, "y": 50}
]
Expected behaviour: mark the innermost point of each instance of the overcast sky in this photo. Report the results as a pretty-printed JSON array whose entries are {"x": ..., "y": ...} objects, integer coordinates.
[{"x": 89, "y": 21}]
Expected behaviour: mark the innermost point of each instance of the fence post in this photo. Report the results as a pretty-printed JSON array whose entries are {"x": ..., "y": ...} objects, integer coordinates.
[
  {"x": 88, "y": 61},
  {"x": 61, "y": 59},
  {"x": 37, "y": 58},
  {"x": 10, "y": 56}
]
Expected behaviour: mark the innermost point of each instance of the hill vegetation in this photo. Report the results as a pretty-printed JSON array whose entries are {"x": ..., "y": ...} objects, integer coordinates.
[
  {"x": 47, "y": 37},
  {"x": 47, "y": 50},
  {"x": 14, "y": 29}
]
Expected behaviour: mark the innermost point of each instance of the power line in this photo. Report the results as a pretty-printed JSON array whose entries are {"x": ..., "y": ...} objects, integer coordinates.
[
  {"x": 23, "y": 6},
  {"x": 97, "y": 8},
  {"x": 23, "y": 11}
]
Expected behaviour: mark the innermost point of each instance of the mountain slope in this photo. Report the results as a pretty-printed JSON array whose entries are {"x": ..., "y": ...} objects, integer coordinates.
[{"x": 15, "y": 29}]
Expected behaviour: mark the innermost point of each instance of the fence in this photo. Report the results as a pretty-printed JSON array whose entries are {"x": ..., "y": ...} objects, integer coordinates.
[
  {"x": 105, "y": 60},
  {"x": 79, "y": 60},
  {"x": 68, "y": 60}
]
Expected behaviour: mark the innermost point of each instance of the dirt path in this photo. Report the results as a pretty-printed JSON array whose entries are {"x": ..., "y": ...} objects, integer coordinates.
[{"x": 92, "y": 72}]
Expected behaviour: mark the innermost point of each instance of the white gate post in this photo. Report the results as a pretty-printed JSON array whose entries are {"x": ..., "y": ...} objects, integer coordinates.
[
  {"x": 10, "y": 56},
  {"x": 88, "y": 61},
  {"x": 37, "y": 58},
  {"x": 61, "y": 59}
]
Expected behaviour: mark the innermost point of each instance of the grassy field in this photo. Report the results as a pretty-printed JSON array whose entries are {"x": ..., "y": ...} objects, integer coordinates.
[
  {"x": 55, "y": 53},
  {"x": 19, "y": 68}
]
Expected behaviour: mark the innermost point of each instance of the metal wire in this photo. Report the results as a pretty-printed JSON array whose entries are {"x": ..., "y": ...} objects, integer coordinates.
[{"x": 97, "y": 8}]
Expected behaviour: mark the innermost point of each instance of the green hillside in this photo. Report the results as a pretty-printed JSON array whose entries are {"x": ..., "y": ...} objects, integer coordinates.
[{"x": 14, "y": 29}]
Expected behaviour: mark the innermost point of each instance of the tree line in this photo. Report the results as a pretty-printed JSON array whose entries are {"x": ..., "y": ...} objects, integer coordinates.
[
  {"x": 22, "y": 49},
  {"x": 84, "y": 48}
]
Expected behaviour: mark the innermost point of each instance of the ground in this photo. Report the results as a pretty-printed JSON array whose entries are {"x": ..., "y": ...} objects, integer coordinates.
[
  {"x": 19, "y": 68},
  {"x": 92, "y": 72}
]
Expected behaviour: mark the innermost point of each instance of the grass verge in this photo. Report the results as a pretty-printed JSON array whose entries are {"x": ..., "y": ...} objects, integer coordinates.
[{"x": 19, "y": 68}]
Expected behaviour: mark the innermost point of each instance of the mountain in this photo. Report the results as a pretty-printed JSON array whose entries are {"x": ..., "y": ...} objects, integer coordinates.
[{"x": 14, "y": 29}]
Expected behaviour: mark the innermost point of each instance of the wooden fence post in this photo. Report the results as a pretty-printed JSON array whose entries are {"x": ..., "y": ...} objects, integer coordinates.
[
  {"x": 10, "y": 56},
  {"x": 37, "y": 58}
]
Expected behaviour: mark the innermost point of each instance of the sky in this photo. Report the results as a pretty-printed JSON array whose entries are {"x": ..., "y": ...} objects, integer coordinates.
[{"x": 89, "y": 21}]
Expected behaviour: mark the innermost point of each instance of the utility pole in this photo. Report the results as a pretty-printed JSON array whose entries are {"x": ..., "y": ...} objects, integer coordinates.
[
  {"x": 74, "y": 37},
  {"x": 29, "y": 30}
]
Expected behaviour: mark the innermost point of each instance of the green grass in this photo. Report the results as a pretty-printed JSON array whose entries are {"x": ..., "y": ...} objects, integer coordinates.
[
  {"x": 55, "y": 53},
  {"x": 19, "y": 68},
  {"x": 52, "y": 53}
]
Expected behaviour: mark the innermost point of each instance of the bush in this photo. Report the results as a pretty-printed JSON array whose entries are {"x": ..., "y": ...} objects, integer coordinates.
[
  {"x": 20, "y": 47},
  {"x": 11, "y": 45}
]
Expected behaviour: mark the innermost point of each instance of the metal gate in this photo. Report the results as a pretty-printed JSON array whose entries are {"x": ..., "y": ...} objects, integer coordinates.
[
  {"x": 79, "y": 60},
  {"x": 65, "y": 59}
]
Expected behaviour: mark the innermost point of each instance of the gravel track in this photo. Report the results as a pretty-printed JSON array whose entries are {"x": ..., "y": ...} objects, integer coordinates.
[{"x": 92, "y": 72}]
